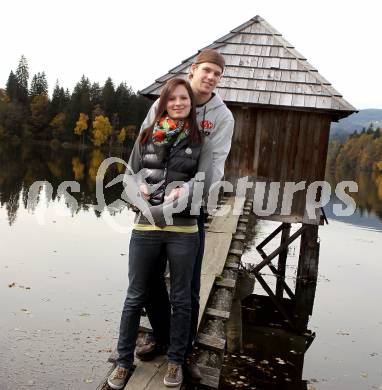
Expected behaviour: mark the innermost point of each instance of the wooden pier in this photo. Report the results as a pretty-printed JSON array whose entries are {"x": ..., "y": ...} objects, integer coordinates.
[{"x": 225, "y": 237}]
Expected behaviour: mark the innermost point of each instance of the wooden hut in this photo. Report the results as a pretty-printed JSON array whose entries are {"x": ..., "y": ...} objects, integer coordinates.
[{"x": 282, "y": 107}]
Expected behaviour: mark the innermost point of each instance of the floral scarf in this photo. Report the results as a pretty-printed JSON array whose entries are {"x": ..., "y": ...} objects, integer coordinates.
[{"x": 170, "y": 131}]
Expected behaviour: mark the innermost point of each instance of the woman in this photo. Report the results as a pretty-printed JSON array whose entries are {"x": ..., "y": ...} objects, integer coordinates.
[{"x": 170, "y": 150}]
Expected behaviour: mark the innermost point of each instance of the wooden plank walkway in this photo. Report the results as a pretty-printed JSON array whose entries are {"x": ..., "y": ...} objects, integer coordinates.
[{"x": 149, "y": 375}]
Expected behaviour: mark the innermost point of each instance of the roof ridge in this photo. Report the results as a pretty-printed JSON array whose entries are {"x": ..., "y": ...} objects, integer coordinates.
[{"x": 281, "y": 39}]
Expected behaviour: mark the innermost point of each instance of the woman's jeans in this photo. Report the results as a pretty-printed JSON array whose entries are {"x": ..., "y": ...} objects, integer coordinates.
[
  {"x": 144, "y": 257},
  {"x": 158, "y": 306}
]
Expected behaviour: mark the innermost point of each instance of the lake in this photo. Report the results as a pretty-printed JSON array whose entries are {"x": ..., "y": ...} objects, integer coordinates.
[{"x": 63, "y": 278}]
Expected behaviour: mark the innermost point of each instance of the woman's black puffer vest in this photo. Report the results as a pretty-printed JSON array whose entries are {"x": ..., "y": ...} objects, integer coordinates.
[{"x": 168, "y": 164}]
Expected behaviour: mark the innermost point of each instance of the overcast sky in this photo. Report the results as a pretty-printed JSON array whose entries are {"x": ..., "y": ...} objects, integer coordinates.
[{"x": 138, "y": 41}]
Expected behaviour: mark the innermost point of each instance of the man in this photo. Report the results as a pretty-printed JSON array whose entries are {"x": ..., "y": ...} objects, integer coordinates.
[{"x": 216, "y": 122}]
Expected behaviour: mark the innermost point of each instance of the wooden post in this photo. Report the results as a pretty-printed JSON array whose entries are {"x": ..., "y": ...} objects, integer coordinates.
[
  {"x": 234, "y": 328},
  {"x": 309, "y": 253},
  {"x": 244, "y": 287},
  {"x": 306, "y": 276},
  {"x": 282, "y": 261}
]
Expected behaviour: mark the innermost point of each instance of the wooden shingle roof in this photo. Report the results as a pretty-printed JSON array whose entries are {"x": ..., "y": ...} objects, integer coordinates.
[{"x": 263, "y": 68}]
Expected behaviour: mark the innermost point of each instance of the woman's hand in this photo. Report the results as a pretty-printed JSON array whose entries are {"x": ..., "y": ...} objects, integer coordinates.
[
  {"x": 144, "y": 191},
  {"x": 175, "y": 193}
]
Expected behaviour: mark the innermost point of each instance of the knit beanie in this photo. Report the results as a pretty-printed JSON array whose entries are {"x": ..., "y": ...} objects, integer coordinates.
[{"x": 210, "y": 55}]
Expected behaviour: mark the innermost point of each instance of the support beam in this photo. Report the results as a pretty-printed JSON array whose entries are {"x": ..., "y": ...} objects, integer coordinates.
[
  {"x": 307, "y": 274},
  {"x": 282, "y": 262},
  {"x": 268, "y": 259}
]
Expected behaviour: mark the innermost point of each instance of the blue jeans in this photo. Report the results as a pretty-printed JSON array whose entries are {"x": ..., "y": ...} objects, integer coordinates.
[
  {"x": 145, "y": 257},
  {"x": 158, "y": 306}
]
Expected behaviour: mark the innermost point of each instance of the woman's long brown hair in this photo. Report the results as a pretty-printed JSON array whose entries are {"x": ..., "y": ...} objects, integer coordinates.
[{"x": 194, "y": 135}]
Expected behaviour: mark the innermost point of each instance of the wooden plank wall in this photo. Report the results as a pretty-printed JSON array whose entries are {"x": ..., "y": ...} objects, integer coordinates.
[{"x": 279, "y": 145}]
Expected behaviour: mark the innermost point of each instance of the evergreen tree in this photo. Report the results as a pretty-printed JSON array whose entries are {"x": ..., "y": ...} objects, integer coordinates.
[
  {"x": 95, "y": 94},
  {"x": 39, "y": 85},
  {"x": 79, "y": 102},
  {"x": 60, "y": 100},
  {"x": 12, "y": 87},
  {"x": 22, "y": 76},
  {"x": 138, "y": 107},
  {"x": 108, "y": 98},
  {"x": 123, "y": 96},
  {"x": 370, "y": 129},
  {"x": 11, "y": 118},
  {"x": 81, "y": 95}
]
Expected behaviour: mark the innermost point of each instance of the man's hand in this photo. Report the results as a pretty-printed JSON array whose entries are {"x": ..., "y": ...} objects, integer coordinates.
[
  {"x": 175, "y": 193},
  {"x": 144, "y": 191}
]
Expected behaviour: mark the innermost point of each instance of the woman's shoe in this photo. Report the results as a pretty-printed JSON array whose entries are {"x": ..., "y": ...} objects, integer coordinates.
[
  {"x": 118, "y": 378},
  {"x": 174, "y": 375}
]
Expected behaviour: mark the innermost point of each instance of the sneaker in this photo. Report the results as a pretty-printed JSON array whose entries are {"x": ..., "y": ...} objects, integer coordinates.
[
  {"x": 192, "y": 370},
  {"x": 174, "y": 375},
  {"x": 118, "y": 378},
  {"x": 150, "y": 350}
]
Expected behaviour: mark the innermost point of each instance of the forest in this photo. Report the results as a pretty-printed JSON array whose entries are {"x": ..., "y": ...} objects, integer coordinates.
[
  {"x": 91, "y": 114},
  {"x": 362, "y": 151},
  {"x": 110, "y": 116}
]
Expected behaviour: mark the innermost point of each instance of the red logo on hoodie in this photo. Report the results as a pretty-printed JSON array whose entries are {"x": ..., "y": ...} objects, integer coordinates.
[{"x": 206, "y": 125}]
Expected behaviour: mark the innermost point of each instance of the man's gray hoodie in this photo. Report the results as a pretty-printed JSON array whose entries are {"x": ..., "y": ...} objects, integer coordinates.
[{"x": 216, "y": 122}]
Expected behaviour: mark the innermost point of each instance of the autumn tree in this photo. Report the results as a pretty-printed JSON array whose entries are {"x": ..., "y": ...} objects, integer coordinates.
[
  {"x": 102, "y": 129},
  {"x": 81, "y": 126},
  {"x": 121, "y": 136},
  {"x": 78, "y": 168},
  {"x": 131, "y": 132},
  {"x": 95, "y": 161},
  {"x": 362, "y": 151},
  {"x": 39, "y": 117},
  {"x": 58, "y": 125},
  {"x": 378, "y": 166}
]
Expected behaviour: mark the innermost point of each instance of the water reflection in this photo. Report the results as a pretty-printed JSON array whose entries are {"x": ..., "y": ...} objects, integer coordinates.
[
  {"x": 273, "y": 355},
  {"x": 368, "y": 198},
  {"x": 21, "y": 166},
  {"x": 273, "y": 347}
]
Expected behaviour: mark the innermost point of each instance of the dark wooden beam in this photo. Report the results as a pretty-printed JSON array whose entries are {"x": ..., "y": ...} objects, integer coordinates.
[{"x": 280, "y": 283}]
